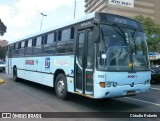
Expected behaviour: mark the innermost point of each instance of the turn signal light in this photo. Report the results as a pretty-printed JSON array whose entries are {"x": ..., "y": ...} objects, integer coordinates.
[{"x": 102, "y": 84}]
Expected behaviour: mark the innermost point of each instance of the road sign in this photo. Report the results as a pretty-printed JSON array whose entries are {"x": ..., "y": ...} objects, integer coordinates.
[{"x": 125, "y": 3}]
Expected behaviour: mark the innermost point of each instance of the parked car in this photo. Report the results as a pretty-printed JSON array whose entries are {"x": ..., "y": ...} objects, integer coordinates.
[
  {"x": 155, "y": 74},
  {"x": 2, "y": 66}
]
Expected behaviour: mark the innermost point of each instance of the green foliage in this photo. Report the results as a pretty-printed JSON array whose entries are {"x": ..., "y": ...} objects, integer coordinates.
[
  {"x": 3, "y": 28},
  {"x": 152, "y": 32},
  {"x": 3, "y": 52}
]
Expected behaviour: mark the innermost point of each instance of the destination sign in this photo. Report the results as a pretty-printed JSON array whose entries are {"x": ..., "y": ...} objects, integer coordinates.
[{"x": 116, "y": 19}]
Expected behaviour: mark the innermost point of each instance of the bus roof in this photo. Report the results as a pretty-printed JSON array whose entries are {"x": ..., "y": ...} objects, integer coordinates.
[
  {"x": 73, "y": 21},
  {"x": 102, "y": 17}
]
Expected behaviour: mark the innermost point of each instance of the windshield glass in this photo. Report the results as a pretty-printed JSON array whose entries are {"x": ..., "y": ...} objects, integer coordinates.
[{"x": 121, "y": 49}]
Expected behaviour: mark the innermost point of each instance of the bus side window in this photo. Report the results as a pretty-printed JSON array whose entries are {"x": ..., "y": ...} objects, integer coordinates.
[
  {"x": 50, "y": 44},
  {"x": 11, "y": 48},
  {"x": 22, "y": 49},
  {"x": 37, "y": 42},
  {"x": 59, "y": 35},
  {"x": 15, "y": 50},
  {"x": 65, "y": 41},
  {"x": 29, "y": 48}
]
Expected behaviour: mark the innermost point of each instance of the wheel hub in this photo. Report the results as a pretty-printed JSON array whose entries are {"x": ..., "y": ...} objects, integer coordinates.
[{"x": 60, "y": 86}]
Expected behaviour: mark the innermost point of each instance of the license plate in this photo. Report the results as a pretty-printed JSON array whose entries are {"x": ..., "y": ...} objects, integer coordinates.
[{"x": 129, "y": 93}]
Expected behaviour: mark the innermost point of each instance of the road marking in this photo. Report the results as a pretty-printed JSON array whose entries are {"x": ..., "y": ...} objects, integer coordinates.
[
  {"x": 142, "y": 101},
  {"x": 1, "y": 81},
  {"x": 155, "y": 88}
]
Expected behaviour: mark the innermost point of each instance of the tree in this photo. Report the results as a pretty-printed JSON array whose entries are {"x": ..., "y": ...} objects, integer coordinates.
[
  {"x": 3, "y": 51},
  {"x": 152, "y": 32},
  {"x": 3, "y": 28}
]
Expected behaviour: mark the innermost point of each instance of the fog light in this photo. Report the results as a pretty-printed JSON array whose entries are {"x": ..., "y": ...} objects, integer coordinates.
[
  {"x": 107, "y": 93},
  {"x": 102, "y": 84},
  {"x": 108, "y": 84},
  {"x": 148, "y": 82},
  {"x": 115, "y": 84}
]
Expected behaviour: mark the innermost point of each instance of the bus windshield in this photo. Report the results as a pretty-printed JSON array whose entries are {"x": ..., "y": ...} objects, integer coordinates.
[{"x": 121, "y": 49}]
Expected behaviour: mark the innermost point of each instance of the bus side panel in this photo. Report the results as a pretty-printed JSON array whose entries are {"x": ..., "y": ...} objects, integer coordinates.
[
  {"x": 70, "y": 84},
  {"x": 50, "y": 64},
  {"x": 9, "y": 65},
  {"x": 18, "y": 63},
  {"x": 37, "y": 77},
  {"x": 42, "y": 69}
]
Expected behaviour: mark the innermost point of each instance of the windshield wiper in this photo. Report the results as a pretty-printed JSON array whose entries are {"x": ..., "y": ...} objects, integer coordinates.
[
  {"x": 133, "y": 38},
  {"x": 120, "y": 32}
]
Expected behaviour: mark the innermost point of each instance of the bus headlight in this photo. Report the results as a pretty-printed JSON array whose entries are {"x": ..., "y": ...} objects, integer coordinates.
[
  {"x": 108, "y": 84},
  {"x": 115, "y": 84}
]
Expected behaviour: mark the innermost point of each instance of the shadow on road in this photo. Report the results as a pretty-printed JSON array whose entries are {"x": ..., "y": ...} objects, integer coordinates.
[{"x": 102, "y": 105}]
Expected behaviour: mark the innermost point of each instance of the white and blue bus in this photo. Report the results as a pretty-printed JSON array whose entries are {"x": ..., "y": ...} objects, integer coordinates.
[{"x": 99, "y": 56}]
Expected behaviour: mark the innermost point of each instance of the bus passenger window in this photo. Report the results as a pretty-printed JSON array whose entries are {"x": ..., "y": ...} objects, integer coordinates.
[
  {"x": 39, "y": 41},
  {"x": 50, "y": 38},
  {"x": 50, "y": 45},
  {"x": 72, "y": 33},
  {"x": 66, "y": 34},
  {"x": 29, "y": 43},
  {"x": 37, "y": 46},
  {"x": 22, "y": 49},
  {"x": 23, "y": 44},
  {"x": 16, "y": 50},
  {"x": 59, "y": 35},
  {"x": 65, "y": 45},
  {"x": 29, "y": 48}
]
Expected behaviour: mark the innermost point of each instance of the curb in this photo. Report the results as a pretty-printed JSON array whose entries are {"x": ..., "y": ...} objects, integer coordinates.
[{"x": 1, "y": 81}]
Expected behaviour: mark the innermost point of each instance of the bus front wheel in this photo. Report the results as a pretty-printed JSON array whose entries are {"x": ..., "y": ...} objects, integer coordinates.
[{"x": 61, "y": 87}]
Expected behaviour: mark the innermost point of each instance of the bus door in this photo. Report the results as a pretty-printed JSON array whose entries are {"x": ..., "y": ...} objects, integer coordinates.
[{"x": 84, "y": 62}]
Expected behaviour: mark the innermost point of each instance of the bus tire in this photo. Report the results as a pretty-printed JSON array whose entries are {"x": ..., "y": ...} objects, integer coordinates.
[
  {"x": 15, "y": 78},
  {"x": 61, "y": 87}
]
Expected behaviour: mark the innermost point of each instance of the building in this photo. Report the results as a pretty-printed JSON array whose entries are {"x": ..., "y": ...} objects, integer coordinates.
[
  {"x": 3, "y": 43},
  {"x": 137, "y": 7}
]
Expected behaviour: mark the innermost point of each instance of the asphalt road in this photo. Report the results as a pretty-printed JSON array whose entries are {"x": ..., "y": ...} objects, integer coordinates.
[{"x": 26, "y": 96}]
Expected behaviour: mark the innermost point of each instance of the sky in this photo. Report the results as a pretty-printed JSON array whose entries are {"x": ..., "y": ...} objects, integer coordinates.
[{"x": 22, "y": 17}]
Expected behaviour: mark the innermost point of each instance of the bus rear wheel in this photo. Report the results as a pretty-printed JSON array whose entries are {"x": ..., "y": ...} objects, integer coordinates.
[
  {"x": 15, "y": 78},
  {"x": 61, "y": 87}
]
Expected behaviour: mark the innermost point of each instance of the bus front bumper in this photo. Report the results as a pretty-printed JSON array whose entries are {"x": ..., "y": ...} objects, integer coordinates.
[{"x": 125, "y": 90}]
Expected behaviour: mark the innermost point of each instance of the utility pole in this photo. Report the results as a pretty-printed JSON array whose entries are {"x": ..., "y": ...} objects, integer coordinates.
[
  {"x": 75, "y": 9},
  {"x": 43, "y": 15}
]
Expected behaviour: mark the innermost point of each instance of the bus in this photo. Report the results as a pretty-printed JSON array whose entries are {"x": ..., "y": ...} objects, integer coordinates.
[{"x": 100, "y": 55}]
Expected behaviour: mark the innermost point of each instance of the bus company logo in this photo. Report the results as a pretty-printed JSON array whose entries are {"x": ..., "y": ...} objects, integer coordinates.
[
  {"x": 121, "y": 21},
  {"x": 47, "y": 63},
  {"x": 86, "y": 24},
  {"x": 132, "y": 84},
  {"x": 29, "y": 62},
  {"x": 131, "y": 76}
]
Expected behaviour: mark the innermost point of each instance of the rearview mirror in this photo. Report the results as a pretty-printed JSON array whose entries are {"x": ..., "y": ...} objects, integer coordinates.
[{"x": 96, "y": 36}]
